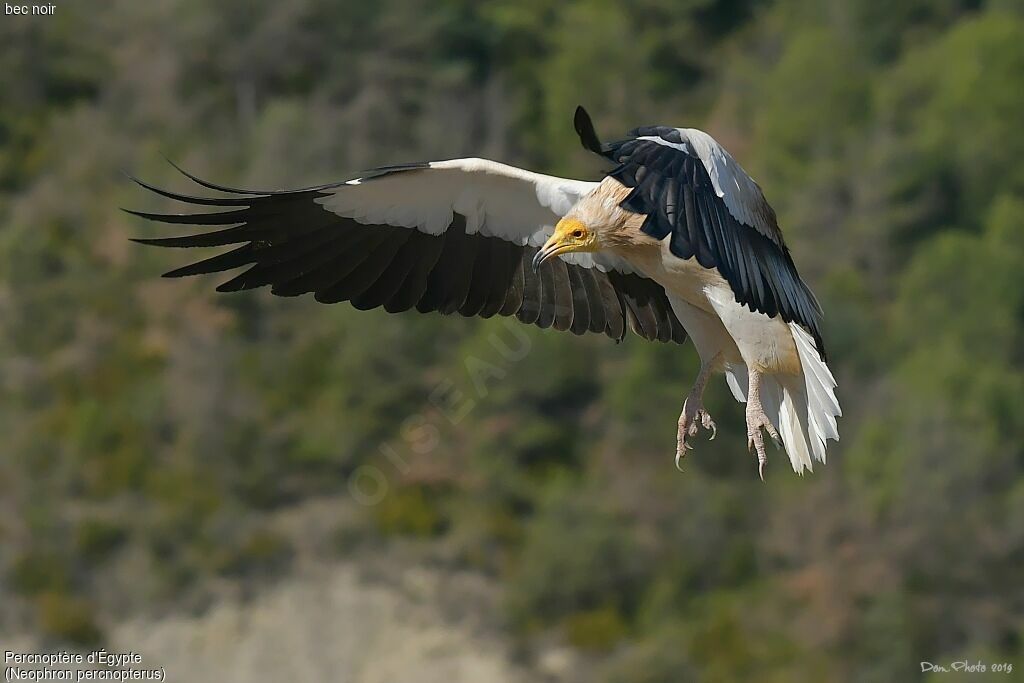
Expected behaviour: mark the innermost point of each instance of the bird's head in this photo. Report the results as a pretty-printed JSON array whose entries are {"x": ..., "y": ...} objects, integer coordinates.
[{"x": 570, "y": 235}]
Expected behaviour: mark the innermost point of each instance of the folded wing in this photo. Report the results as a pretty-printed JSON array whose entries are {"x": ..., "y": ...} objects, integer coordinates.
[{"x": 695, "y": 194}]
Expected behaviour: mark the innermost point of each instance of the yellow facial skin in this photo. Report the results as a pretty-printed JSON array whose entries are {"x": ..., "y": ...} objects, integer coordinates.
[{"x": 570, "y": 235}]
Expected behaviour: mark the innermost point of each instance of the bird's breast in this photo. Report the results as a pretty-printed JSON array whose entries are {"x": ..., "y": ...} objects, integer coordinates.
[
  {"x": 764, "y": 342},
  {"x": 683, "y": 278}
]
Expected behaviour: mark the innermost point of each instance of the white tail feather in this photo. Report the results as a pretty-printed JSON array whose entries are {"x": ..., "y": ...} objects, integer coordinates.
[
  {"x": 822, "y": 407},
  {"x": 802, "y": 407},
  {"x": 736, "y": 377},
  {"x": 794, "y": 429}
]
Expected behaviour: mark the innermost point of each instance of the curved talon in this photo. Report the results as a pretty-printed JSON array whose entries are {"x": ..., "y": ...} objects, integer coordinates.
[
  {"x": 755, "y": 439},
  {"x": 708, "y": 423},
  {"x": 690, "y": 421},
  {"x": 681, "y": 445},
  {"x": 755, "y": 442}
]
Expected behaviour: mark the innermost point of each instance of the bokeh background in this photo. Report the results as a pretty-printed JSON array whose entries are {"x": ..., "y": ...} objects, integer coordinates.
[{"x": 235, "y": 485}]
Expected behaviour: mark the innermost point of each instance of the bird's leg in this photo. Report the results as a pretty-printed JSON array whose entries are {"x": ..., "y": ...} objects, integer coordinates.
[
  {"x": 693, "y": 415},
  {"x": 756, "y": 419}
]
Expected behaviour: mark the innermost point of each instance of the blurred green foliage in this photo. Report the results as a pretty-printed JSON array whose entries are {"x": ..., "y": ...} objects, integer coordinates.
[
  {"x": 68, "y": 618},
  {"x": 153, "y": 430},
  {"x": 413, "y": 511}
]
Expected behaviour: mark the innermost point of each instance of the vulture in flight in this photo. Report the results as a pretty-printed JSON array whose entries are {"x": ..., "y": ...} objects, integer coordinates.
[{"x": 675, "y": 241}]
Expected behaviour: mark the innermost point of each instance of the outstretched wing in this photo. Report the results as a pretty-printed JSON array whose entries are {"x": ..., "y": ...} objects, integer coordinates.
[
  {"x": 693, "y": 192},
  {"x": 453, "y": 236}
]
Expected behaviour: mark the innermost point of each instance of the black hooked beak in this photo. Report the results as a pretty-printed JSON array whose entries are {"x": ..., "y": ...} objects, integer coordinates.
[
  {"x": 542, "y": 255},
  {"x": 552, "y": 247}
]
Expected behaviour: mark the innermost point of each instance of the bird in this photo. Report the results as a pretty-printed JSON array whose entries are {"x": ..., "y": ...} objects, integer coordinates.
[{"x": 674, "y": 242}]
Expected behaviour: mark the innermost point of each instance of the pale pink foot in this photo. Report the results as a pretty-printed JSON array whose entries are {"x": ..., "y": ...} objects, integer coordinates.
[
  {"x": 691, "y": 420},
  {"x": 756, "y": 420}
]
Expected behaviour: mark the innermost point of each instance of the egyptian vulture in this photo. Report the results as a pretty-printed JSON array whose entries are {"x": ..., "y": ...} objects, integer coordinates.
[{"x": 675, "y": 241}]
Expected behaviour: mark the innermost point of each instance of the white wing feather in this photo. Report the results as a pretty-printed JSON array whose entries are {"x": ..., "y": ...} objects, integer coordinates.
[{"x": 497, "y": 200}]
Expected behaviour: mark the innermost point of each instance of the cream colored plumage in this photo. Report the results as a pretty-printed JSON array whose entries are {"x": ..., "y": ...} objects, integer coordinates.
[
  {"x": 764, "y": 357},
  {"x": 677, "y": 240}
]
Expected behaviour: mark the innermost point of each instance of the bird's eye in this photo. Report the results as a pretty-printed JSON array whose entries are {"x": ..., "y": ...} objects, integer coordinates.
[{"x": 577, "y": 233}]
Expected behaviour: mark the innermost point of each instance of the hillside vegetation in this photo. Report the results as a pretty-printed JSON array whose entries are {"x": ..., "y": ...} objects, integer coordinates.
[{"x": 153, "y": 431}]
